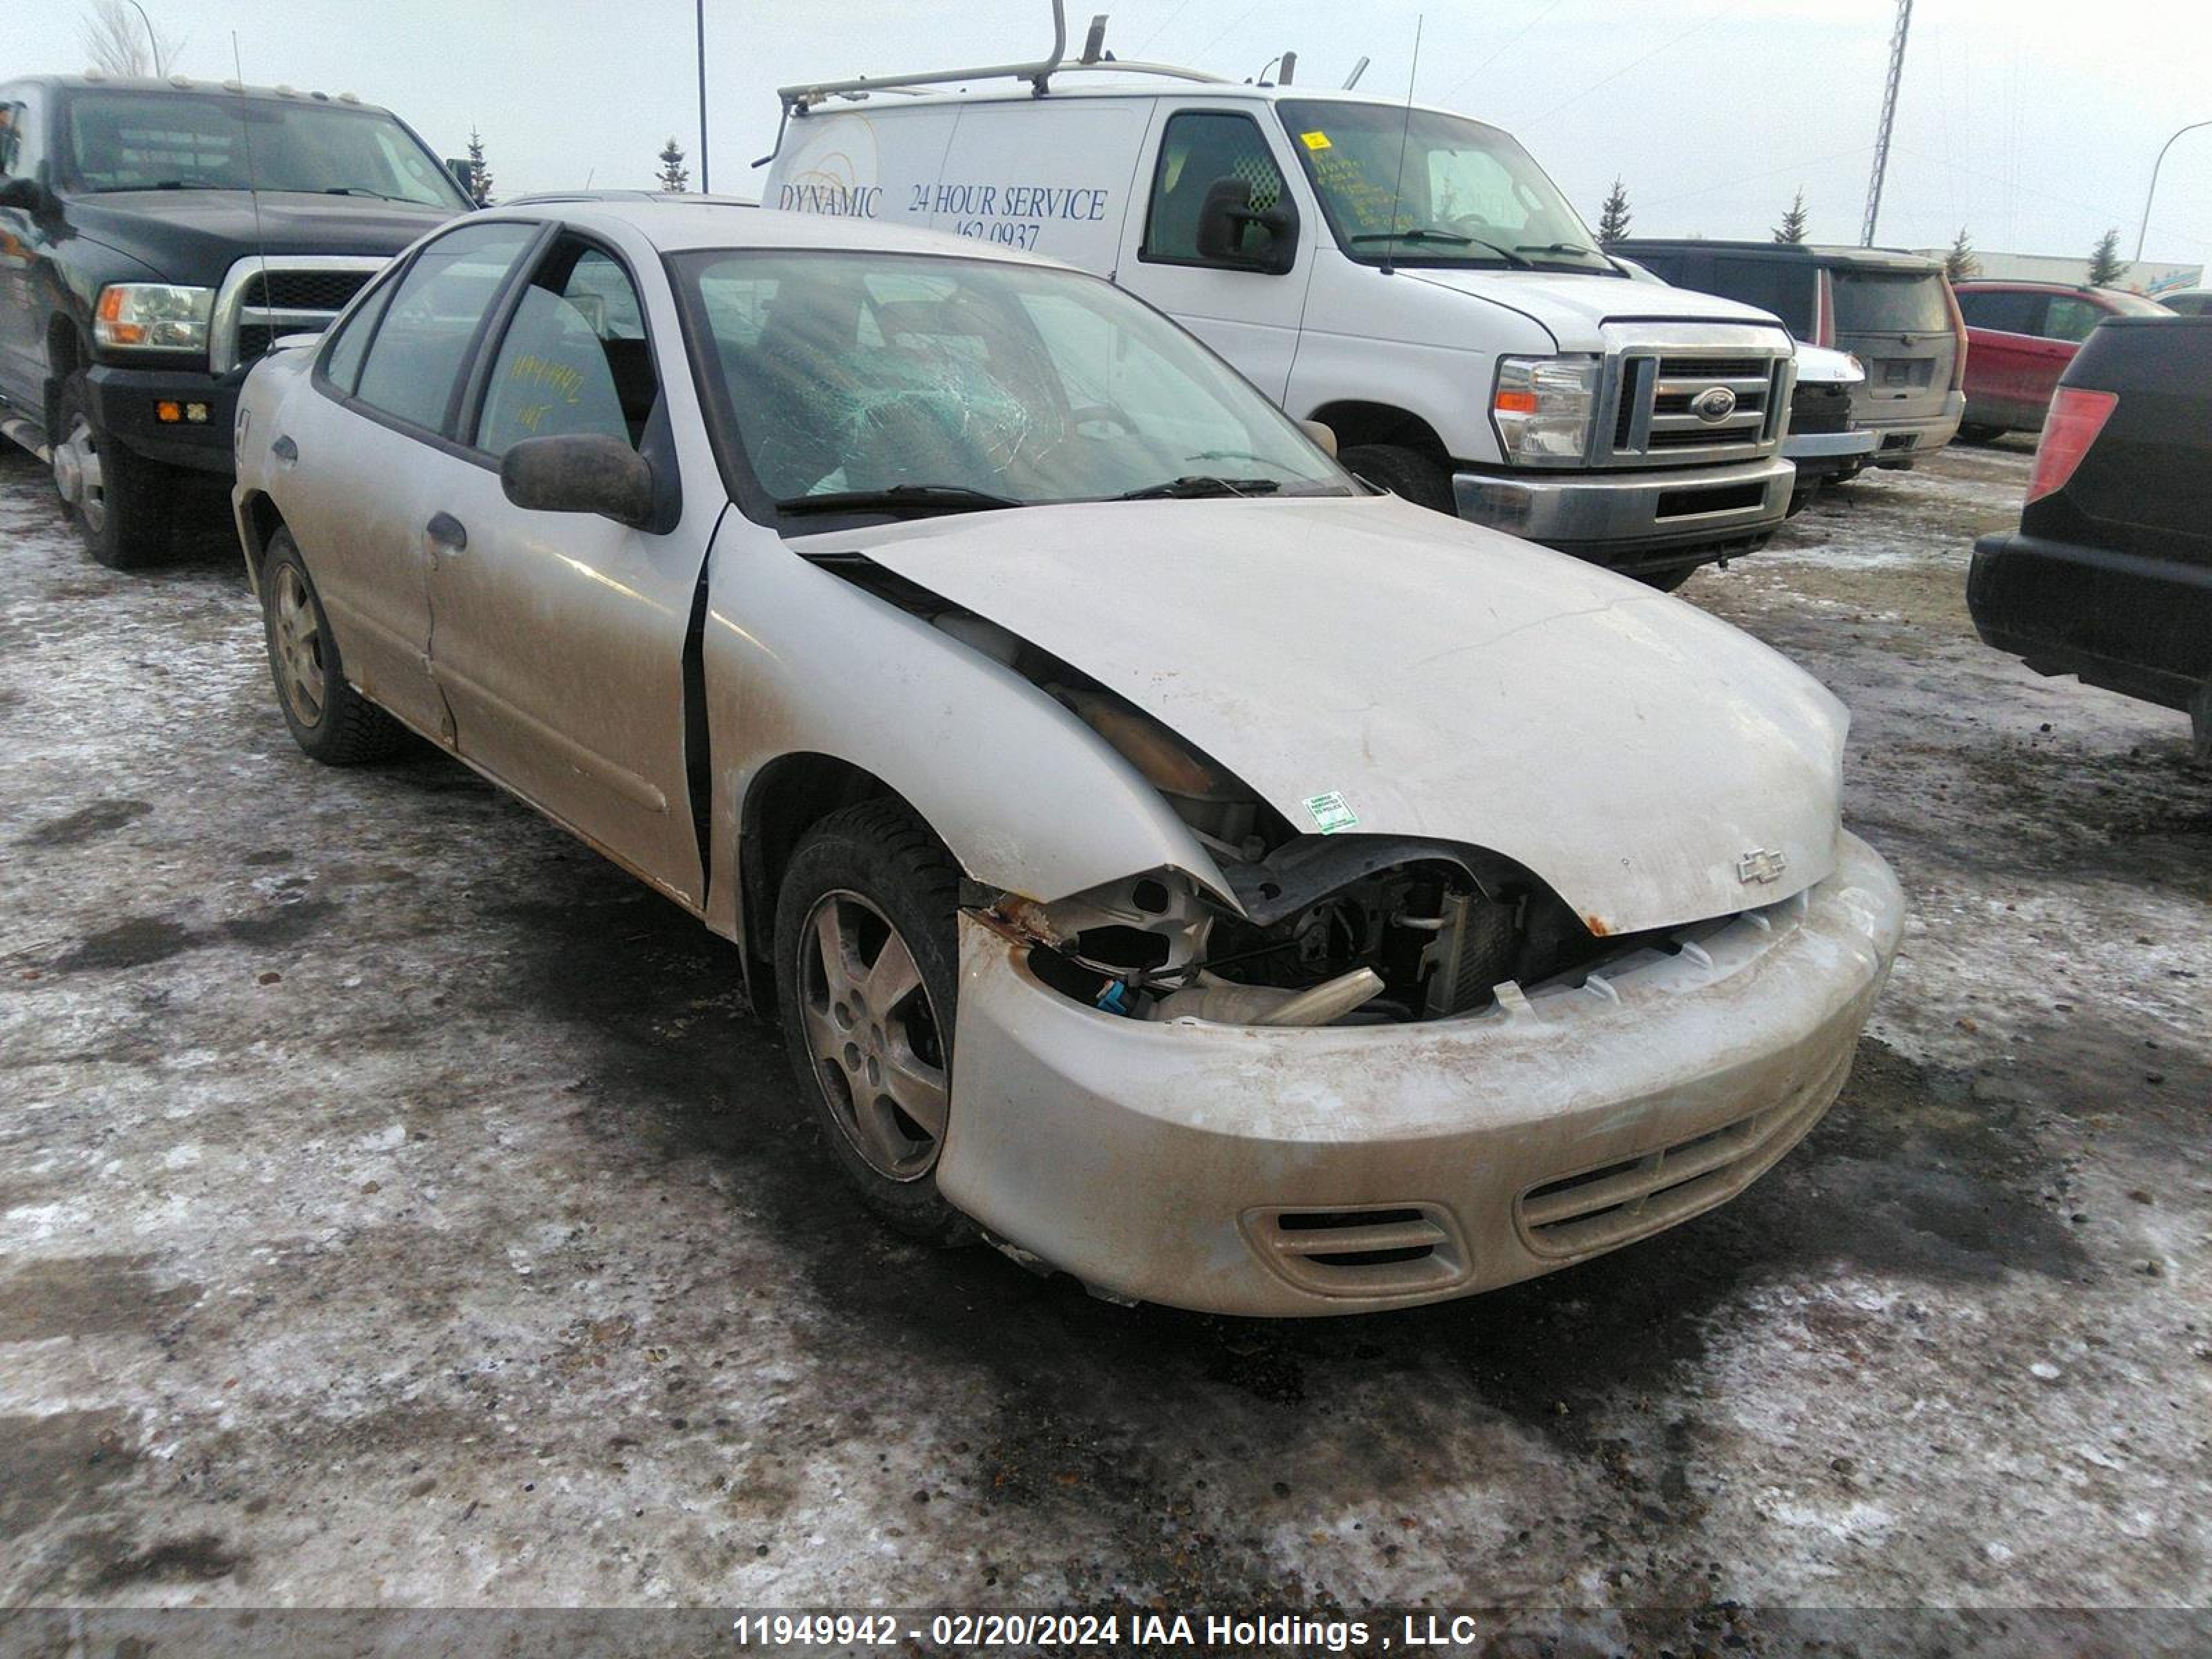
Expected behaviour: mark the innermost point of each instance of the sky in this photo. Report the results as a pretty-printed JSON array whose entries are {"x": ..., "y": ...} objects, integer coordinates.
[{"x": 2030, "y": 123}]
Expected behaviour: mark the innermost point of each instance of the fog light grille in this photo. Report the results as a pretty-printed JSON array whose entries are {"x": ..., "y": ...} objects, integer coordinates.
[
  {"x": 1614, "y": 1203},
  {"x": 1373, "y": 1250}
]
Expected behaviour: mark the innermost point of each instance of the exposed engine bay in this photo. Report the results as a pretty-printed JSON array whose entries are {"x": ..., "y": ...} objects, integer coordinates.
[{"x": 1333, "y": 929}]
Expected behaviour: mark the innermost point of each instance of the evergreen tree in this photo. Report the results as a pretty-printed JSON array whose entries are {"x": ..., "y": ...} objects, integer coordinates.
[
  {"x": 1792, "y": 227},
  {"x": 1612, "y": 219},
  {"x": 1960, "y": 263},
  {"x": 2106, "y": 265},
  {"x": 479, "y": 173},
  {"x": 674, "y": 176}
]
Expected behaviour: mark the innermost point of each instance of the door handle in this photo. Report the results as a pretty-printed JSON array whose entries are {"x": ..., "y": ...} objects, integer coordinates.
[
  {"x": 285, "y": 450},
  {"x": 446, "y": 534}
]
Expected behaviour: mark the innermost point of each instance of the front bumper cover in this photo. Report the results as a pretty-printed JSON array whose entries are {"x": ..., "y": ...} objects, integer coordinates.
[
  {"x": 1159, "y": 1162},
  {"x": 123, "y": 401},
  {"x": 1633, "y": 521}
]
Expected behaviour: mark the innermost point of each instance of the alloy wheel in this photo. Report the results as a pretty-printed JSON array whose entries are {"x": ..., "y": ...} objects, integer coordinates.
[
  {"x": 878, "y": 1050},
  {"x": 299, "y": 645}
]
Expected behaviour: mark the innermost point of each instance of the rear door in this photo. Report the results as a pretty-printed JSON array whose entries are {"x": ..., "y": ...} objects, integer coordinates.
[
  {"x": 1899, "y": 324},
  {"x": 355, "y": 460},
  {"x": 22, "y": 341}
]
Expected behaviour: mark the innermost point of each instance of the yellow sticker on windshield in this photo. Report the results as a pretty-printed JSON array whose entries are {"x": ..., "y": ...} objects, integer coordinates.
[{"x": 1313, "y": 140}]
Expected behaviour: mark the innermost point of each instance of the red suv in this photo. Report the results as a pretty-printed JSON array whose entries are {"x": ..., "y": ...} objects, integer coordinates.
[{"x": 2020, "y": 338}]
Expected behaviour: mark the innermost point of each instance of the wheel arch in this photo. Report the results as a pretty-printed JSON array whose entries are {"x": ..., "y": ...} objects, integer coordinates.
[
  {"x": 785, "y": 798},
  {"x": 258, "y": 521},
  {"x": 1357, "y": 421}
]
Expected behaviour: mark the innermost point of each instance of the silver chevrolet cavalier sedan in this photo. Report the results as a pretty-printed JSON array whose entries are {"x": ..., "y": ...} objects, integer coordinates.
[{"x": 1170, "y": 859}]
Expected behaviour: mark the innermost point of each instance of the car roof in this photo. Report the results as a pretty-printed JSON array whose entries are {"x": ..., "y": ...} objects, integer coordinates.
[
  {"x": 2037, "y": 285},
  {"x": 678, "y": 223},
  {"x": 94, "y": 82}
]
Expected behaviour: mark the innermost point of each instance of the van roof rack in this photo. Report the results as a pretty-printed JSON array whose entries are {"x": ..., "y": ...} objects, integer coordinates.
[{"x": 799, "y": 100}]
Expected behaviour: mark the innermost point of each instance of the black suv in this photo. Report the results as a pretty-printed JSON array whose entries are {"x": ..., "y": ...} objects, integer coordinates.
[
  {"x": 1893, "y": 312},
  {"x": 155, "y": 237},
  {"x": 2110, "y": 573}
]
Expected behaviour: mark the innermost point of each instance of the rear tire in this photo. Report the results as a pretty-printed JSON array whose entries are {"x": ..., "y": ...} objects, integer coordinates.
[
  {"x": 1980, "y": 434},
  {"x": 1667, "y": 580},
  {"x": 867, "y": 975},
  {"x": 330, "y": 720},
  {"x": 1405, "y": 473},
  {"x": 119, "y": 502}
]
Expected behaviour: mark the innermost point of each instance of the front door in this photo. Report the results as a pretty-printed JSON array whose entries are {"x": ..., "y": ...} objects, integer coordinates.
[
  {"x": 1249, "y": 314},
  {"x": 558, "y": 639}
]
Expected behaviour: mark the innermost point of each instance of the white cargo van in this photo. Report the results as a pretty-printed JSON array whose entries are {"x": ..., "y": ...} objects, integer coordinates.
[{"x": 1407, "y": 277}]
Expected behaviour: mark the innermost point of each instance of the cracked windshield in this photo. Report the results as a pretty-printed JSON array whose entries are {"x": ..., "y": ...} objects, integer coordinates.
[
  {"x": 939, "y": 383},
  {"x": 1433, "y": 189}
]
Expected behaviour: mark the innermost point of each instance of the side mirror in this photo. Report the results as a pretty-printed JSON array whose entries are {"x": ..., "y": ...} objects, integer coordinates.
[
  {"x": 1226, "y": 224},
  {"x": 581, "y": 473},
  {"x": 1322, "y": 433},
  {"x": 26, "y": 195}
]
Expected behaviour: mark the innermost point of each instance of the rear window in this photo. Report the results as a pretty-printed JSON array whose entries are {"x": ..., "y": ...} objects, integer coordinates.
[
  {"x": 1784, "y": 287},
  {"x": 1890, "y": 302}
]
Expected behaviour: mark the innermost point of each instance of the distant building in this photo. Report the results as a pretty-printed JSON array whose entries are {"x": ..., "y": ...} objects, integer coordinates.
[{"x": 2146, "y": 276}]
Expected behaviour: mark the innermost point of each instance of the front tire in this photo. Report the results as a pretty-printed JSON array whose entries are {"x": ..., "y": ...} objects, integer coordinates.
[
  {"x": 330, "y": 720},
  {"x": 1977, "y": 433},
  {"x": 120, "y": 502},
  {"x": 866, "y": 963},
  {"x": 1405, "y": 473}
]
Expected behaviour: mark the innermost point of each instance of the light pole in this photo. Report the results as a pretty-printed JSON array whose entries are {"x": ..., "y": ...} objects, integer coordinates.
[
  {"x": 705, "y": 188},
  {"x": 2153, "y": 191},
  {"x": 152, "y": 39}
]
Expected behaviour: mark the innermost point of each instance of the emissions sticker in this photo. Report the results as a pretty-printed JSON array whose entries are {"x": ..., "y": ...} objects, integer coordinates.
[
  {"x": 1313, "y": 140},
  {"x": 1331, "y": 812}
]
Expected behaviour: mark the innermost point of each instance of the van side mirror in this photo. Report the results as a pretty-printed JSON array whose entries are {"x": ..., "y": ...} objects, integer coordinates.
[
  {"x": 26, "y": 195},
  {"x": 583, "y": 472},
  {"x": 1322, "y": 433},
  {"x": 1233, "y": 232}
]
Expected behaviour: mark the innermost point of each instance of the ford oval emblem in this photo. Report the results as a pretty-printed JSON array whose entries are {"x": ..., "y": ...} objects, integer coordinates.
[{"x": 1715, "y": 402}]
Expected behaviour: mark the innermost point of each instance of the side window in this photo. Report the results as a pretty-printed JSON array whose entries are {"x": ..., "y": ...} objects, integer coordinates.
[
  {"x": 1783, "y": 286},
  {"x": 2072, "y": 318},
  {"x": 1202, "y": 148},
  {"x": 416, "y": 356},
  {"x": 349, "y": 343},
  {"x": 575, "y": 360},
  {"x": 2005, "y": 311}
]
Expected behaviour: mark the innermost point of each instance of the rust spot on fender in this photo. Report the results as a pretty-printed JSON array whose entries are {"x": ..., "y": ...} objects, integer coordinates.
[{"x": 1599, "y": 926}]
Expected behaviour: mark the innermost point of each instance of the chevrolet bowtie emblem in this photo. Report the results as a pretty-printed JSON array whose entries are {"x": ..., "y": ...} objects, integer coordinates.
[{"x": 1761, "y": 865}]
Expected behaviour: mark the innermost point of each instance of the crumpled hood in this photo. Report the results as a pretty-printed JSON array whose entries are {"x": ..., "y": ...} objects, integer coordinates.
[
  {"x": 1574, "y": 308},
  {"x": 1446, "y": 681}
]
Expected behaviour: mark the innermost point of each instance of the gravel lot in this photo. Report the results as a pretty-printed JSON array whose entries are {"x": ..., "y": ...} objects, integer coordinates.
[{"x": 399, "y": 1205}]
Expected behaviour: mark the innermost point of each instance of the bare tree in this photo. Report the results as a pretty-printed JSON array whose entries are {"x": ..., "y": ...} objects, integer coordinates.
[{"x": 122, "y": 40}]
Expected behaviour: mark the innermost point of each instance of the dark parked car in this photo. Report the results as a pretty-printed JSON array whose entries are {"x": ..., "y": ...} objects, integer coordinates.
[
  {"x": 2110, "y": 573},
  {"x": 2188, "y": 301},
  {"x": 2020, "y": 338},
  {"x": 155, "y": 237},
  {"x": 1892, "y": 311}
]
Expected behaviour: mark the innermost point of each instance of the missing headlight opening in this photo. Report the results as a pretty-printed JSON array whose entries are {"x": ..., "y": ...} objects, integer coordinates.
[{"x": 1343, "y": 929}]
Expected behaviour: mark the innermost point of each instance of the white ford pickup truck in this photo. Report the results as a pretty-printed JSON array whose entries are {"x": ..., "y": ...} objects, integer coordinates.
[{"x": 1406, "y": 277}]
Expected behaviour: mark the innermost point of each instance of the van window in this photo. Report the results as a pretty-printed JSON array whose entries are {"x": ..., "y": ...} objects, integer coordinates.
[
  {"x": 1201, "y": 148},
  {"x": 842, "y": 372},
  {"x": 1889, "y": 302},
  {"x": 1783, "y": 286}
]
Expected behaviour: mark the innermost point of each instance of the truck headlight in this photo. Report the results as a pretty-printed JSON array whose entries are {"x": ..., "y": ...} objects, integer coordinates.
[
  {"x": 152, "y": 316},
  {"x": 1543, "y": 407}
]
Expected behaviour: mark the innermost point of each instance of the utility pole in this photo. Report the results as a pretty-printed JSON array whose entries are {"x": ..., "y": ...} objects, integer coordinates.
[
  {"x": 1888, "y": 119},
  {"x": 699, "y": 8}
]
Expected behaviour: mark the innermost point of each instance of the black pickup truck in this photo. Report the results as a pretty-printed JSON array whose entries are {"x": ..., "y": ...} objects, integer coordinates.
[
  {"x": 155, "y": 236},
  {"x": 2110, "y": 573}
]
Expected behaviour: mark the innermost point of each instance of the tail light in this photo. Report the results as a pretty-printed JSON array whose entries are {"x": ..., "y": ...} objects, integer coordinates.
[
  {"x": 2076, "y": 417},
  {"x": 1958, "y": 335}
]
